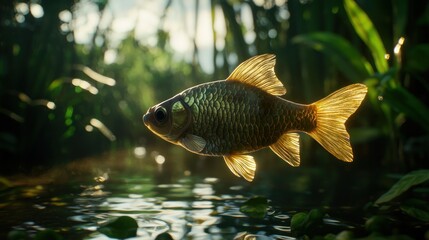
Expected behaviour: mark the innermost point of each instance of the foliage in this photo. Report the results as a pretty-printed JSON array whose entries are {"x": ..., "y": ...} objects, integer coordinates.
[
  {"x": 39, "y": 100},
  {"x": 399, "y": 213},
  {"x": 303, "y": 223},
  {"x": 400, "y": 208},
  {"x": 388, "y": 93},
  {"x": 416, "y": 208},
  {"x": 348, "y": 59},
  {"x": 145, "y": 78},
  {"x": 400, "y": 198},
  {"x": 72, "y": 104},
  {"x": 368, "y": 33},
  {"x": 406, "y": 182},
  {"x": 255, "y": 207}
]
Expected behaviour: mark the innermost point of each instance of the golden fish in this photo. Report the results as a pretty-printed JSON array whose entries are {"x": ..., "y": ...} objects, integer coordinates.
[{"x": 243, "y": 113}]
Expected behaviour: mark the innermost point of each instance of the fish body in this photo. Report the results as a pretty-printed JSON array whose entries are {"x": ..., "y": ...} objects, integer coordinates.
[
  {"x": 242, "y": 118},
  {"x": 244, "y": 113}
]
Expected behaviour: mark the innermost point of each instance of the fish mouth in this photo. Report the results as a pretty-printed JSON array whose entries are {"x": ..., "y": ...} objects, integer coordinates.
[{"x": 146, "y": 119}]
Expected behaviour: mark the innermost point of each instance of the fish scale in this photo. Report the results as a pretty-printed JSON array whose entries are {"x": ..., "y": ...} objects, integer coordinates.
[{"x": 249, "y": 120}]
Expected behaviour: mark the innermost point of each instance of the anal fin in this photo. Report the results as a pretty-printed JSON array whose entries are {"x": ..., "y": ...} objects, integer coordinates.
[
  {"x": 287, "y": 148},
  {"x": 241, "y": 165}
]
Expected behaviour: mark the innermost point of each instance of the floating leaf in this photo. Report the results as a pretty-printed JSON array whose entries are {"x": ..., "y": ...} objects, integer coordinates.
[
  {"x": 120, "y": 227},
  {"x": 405, "y": 183},
  {"x": 416, "y": 208},
  {"x": 367, "y": 32},
  {"x": 303, "y": 223},
  {"x": 297, "y": 222},
  {"x": 345, "y": 56},
  {"x": 255, "y": 207}
]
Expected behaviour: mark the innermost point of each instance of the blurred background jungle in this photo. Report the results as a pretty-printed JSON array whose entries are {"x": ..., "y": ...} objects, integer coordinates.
[{"x": 76, "y": 77}]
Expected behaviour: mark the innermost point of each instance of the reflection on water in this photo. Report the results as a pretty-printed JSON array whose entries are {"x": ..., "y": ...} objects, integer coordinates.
[{"x": 188, "y": 207}]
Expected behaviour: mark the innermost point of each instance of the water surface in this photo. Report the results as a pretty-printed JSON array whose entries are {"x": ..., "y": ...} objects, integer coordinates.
[{"x": 74, "y": 200}]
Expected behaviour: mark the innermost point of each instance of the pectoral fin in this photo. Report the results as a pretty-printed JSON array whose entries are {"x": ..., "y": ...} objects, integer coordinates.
[
  {"x": 287, "y": 147},
  {"x": 241, "y": 165},
  {"x": 193, "y": 143}
]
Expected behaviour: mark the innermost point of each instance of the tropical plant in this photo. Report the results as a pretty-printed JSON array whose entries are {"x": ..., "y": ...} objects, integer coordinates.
[{"x": 386, "y": 73}]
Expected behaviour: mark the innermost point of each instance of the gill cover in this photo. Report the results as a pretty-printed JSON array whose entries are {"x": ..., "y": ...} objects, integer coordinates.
[{"x": 169, "y": 119}]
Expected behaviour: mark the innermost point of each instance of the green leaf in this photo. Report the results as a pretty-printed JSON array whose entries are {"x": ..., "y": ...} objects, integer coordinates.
[
  {"x": 367, "y": 32},
  {"x": 297, "y": 223},
  {"x": 348, "y": 59},
  {"x": 416, "y": 208},
  {"x": 120, "y": 227},
  {"x": 303, "y": 223},
  {"x": 403, "y": 101},
  {"x": 255, "y": 207},
  {"x": 406, "y": 182}
]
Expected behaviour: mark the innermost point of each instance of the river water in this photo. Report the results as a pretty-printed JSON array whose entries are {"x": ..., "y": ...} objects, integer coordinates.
[{"x": 77, "y": 198}]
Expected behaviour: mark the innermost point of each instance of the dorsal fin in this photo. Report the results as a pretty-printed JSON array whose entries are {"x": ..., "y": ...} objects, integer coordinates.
[{"x": 258, "y": 71}]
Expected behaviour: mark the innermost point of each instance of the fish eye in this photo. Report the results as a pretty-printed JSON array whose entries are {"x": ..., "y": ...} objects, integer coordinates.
[{"x": 160, "y": 114}]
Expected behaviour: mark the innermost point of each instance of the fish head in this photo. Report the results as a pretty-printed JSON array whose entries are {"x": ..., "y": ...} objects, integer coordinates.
[{"x": 169, "y": 119}]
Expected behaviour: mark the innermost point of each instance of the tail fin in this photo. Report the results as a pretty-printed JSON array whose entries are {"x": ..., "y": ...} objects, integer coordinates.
[{"x": 332, "y": 113}]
